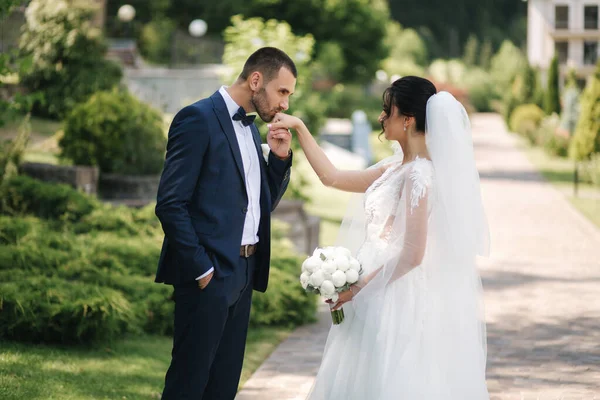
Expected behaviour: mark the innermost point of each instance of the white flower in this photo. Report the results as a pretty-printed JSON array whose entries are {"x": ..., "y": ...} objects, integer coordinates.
[
  {"x": 327, "y": 289},
  {"x": 265, "y": 150},
  {"x": 304, "y": 279},
  {"x": 335, "y": 297},
  {"x": 342, "y": 252},
  {"x": 329, "y": 252},
  {"x": 317, "y": 279},
  {"x": 317, "y": 253},
  {"x": 312, "y": 264},
  {"x": 329, "y": 267},
  {"x": 354, "y": 265},
  {"x": 342, "y": 263},
  {"x": 339, "y": 279},
  {"x": 351, "y": 276}
]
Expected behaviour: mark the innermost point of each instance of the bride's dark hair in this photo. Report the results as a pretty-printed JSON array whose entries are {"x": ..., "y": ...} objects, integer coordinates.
[{"x": 410, "y": 95}]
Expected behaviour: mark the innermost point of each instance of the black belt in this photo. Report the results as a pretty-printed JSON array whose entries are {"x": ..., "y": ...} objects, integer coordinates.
[{"x": 247, "y": 250}]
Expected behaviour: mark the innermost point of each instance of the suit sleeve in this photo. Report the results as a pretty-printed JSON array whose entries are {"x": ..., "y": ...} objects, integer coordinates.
[
  {"x": 278, "y": 176},
  {"x": 187, "y": 145}
]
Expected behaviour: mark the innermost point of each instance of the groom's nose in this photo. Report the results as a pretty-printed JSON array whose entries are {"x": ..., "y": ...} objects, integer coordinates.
[{"x": 285, "y": 104}]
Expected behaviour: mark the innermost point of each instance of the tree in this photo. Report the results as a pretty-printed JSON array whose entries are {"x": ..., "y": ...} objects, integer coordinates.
[
  {"x": 68, "y": 55},
  {"x": 471, "y": 49},
  {"x": 485, "y": 55},
  {"x": 570, "y": 100},
  {"x": 552, "y": 99},
  {"x": 357, "y": 26},
  {"x": 586, "y": 140}
]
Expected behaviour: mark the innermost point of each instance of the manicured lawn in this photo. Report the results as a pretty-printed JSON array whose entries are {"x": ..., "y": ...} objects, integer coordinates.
[
  {"x": 559, "y": 172},
  {"x": 132, "y": 368}
]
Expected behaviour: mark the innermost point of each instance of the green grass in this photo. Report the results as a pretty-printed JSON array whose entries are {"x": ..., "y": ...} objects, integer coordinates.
[
  {"x": 39, "y": 127},
  {"x": 133, "y": 368},
  {"x": 559, "y": 171}
]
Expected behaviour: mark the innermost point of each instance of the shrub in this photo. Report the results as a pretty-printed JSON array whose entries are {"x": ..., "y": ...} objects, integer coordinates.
[
  {"x": 552, "y": 98},
  {"x": 525, "y": 120},
  {"x": 550, "y": 137},
  {"x": 586, "y": 140},
  {"x": 68, "y": 55},
  {"x": 481, "y": 89},
  {"x": 52, "y": 310},
  {"x": 116, "y": 132},
  {"x": 25, "y": 195},
  {"x": 284, "y": 304},
  {"x": 591, "y": 170}
]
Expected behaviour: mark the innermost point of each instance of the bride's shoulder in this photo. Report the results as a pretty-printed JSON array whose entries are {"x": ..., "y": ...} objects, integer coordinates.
[{"x": 420, "y": 172}]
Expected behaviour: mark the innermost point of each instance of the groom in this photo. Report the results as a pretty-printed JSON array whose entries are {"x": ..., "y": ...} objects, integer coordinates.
[{"x": 214, "y": 202}]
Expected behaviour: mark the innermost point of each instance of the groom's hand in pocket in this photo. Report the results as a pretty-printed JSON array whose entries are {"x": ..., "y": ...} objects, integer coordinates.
[{"x": 203, "y": 282}]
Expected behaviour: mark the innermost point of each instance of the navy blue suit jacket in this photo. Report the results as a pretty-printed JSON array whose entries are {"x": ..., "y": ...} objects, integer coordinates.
[{"x": 202, "y": 200}]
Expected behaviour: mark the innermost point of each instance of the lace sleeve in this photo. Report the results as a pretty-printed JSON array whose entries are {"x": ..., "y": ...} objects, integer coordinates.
[{"x": 416, "y": 201}]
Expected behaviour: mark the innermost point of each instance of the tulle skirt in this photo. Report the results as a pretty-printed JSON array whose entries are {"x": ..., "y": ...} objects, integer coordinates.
[{"x": 410, "y": 342}]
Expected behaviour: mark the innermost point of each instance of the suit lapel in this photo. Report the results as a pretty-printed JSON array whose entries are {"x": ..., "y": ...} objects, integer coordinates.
[{"x": 227, "y": 126}]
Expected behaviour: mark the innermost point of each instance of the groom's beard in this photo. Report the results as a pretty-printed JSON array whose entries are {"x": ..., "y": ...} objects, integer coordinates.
[{"x": 261, "y": 105}]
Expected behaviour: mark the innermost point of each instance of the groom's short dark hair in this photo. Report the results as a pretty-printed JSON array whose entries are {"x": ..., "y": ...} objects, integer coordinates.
[{"x": 268, "y": 61}]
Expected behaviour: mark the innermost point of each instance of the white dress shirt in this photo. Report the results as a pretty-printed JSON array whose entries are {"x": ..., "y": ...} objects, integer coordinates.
[{"x": 251, "y": 164}]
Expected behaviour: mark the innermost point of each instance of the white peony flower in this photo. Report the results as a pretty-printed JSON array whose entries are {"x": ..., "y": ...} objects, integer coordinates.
[
  {"x": 343, "y": 252},
  {"x": 342, "y": 263},
  {"x": 317, "y": 253},
  {"x": 355, "y": 265},
  {"x": 329, "y": 252},
  {"x": 304, "y": 280},
  {"x": 329, "y": 267},
  {"x": 351, "y": 276},
  {"x": 317, "y": 279},
  {"x": 339, "y": 279},
  {"x": 312, "y": 264},
  {"x": 327, "y": 289},
  {"x": 335, "y": 297}
]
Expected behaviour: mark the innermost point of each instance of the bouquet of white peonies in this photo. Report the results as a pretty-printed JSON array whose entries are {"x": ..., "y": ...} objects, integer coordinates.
[{"x": 329, "y": 271}]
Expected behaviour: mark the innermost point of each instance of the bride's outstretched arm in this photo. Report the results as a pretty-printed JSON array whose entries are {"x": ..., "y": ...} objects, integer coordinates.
[{"x": 349, "y": 181}]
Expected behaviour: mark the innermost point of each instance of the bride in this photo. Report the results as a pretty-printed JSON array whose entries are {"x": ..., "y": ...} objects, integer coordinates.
[{"x": 414, "y": 325}]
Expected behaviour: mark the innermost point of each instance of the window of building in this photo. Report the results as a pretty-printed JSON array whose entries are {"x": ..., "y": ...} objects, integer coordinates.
[
  {"x": 590, "y": 53},
  {"x": 561, "y": 17},
  {"x": 590, "y": 17},
  {"x": 562, "y": 51}
]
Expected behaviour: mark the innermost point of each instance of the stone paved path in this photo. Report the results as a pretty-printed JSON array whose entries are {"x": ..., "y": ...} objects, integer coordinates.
[{"x": 542, "y": 291}]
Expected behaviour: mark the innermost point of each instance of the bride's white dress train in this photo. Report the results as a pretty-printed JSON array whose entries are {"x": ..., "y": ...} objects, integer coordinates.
[{"x": 416, "y": 330}]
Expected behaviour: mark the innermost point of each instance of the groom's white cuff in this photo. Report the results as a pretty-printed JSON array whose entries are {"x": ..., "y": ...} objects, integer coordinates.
[{"x": 206, "y": 273}]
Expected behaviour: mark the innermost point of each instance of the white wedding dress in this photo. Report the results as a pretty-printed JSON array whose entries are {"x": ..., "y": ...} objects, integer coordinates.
[{"x": 416, "y": 330}]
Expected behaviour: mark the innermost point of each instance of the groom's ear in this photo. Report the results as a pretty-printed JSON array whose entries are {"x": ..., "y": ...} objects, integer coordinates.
[{"x": 255, "y": 80}]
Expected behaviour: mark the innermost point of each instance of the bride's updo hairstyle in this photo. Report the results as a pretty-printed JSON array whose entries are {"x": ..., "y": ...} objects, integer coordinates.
[{"x": 410, "y": 95}]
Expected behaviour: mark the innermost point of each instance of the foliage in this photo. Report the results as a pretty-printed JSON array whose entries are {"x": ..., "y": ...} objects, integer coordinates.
[
  {"x": 525, "y": 120},
  {"x": 554, "y": 142},
  {"x": 75, "y": 271},
  {"x": 155, "y": 40},
  {"x": 408, "y": 51},
  {"x": 570, "y": 101},
  {"x": 116, "y": 132},
  {"x": 67, "y": 55},
  {"x": 506, "y": 65},
  {"x": 552, "y": 98},
  {"x": 452, "y": 23},
  {"x": 480, "y": 88},
  {"x": 591, "y": 169},
  {"x": 586, "y": 140},
  {"x": 471, "y": 51},
  {"x": 11, "y": 151}
]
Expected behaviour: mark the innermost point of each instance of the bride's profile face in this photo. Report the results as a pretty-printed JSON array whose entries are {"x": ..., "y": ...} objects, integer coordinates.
[{"x": 392, "y": 123}]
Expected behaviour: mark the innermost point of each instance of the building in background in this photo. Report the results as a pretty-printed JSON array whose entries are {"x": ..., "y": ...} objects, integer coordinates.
[{"x": 568, "y": 28}]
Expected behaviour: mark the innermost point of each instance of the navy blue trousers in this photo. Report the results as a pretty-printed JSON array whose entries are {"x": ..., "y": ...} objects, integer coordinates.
[{"x": 211, "y": 326}]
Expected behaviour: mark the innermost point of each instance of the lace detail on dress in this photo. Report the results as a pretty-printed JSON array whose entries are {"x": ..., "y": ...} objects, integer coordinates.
[{"x": 421, "y": 175}]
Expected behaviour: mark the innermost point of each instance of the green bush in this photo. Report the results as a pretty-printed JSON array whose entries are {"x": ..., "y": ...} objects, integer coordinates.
[
  {"x": 156, "y": 40},
  {"x": 116, "y": 132},
  {"x": 591, "y": 170},
  {"x": 481, "y": 89},
  {"x": 549, "y": 137},
  {"x": 285, "y": 303},
  {"x": 68, "y": 55},
  {"x": 525, "y": 120},
  {"x": 25, "y": 195},
  {"x": 52, "y": 310},
  {"x": 586, "y": 140},
  {"x": 552, "y": 97}
]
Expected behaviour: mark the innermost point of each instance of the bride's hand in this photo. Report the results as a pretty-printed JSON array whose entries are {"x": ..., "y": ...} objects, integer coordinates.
[
  {"x": 345, "y": 297},
  {"x": 285, "y": 121}
]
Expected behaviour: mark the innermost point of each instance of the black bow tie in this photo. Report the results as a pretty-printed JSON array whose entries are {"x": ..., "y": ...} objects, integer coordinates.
[{"x": 240, "y": 115}]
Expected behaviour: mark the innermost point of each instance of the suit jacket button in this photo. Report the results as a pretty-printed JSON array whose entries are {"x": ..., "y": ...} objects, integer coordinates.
[{"x": 244, "y": 210}]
